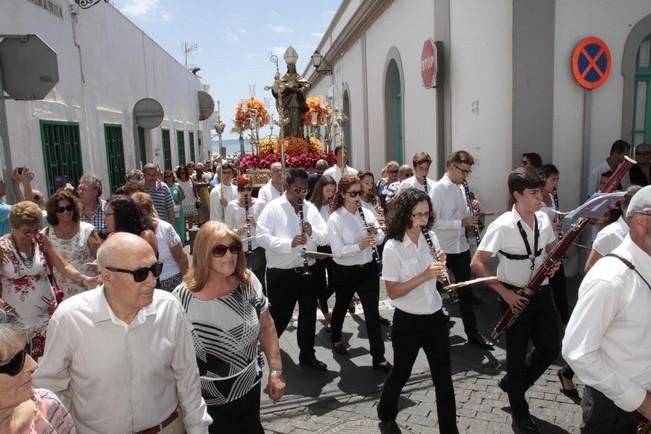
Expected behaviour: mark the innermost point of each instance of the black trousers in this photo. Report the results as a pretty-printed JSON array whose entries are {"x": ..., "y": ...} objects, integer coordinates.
[
  {"x": 285, "y": 288},
  {"x": 538, "y": 322},
  {"x": 602, "y": 416},
  {"x": 557, "y": 282},
  {"x": 257, "y": 262},
  {"x": 239, "y": 416},
  {"x": 410, "y": 333},
  {"x": 459, "y": 264},
  {"x": 364, "y": 280},
  {"x": 324, "y": 272}
]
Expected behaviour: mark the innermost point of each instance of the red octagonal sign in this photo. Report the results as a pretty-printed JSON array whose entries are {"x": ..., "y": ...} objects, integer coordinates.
[{"x": 428, "y": 64}]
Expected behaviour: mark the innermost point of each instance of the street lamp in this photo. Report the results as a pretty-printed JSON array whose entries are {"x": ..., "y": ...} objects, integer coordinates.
[{"x": 319, "y": 64}]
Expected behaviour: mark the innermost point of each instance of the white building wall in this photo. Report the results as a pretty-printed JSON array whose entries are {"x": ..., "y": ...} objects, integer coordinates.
[
  {"x": 119, "y": 66},
  {"x": 481, "y": 80},
  {"x": 575, "y": 20},
  {"x": 405, "y": 25}
]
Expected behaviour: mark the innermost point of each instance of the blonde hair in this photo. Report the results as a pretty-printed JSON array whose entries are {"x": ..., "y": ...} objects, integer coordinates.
[
  {"x": 208, "y": 236},
  {"x": 25, "y": 213},
  {"x": 145, "y": 204}
]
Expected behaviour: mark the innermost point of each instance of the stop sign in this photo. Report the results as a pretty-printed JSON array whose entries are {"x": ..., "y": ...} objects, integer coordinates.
[
  {"x": 29, "y": 67},
  {"x": 428, "y": 64}
]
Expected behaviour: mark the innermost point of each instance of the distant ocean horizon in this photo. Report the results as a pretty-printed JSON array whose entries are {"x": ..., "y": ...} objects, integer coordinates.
[{"x": 232, "y": 147}]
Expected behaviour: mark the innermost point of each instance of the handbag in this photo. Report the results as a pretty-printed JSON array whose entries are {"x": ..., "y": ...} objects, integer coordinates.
[{"x": 58, "y": 293}]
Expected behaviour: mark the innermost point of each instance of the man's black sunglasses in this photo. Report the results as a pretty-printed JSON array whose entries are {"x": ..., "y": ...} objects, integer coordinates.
[
  {"x": 15, "y": 365},
  {"x": 141, "y": 274}
]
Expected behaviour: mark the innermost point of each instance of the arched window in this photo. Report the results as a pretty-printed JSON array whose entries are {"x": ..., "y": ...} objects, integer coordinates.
[
  {"x": 347, "y": 129},
  {"x": 642, "y": 105},
  {"x": 393, "y": 112}
]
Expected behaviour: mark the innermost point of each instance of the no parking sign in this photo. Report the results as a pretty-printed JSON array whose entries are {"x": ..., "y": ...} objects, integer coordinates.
[{"x": 591, "y": 62}]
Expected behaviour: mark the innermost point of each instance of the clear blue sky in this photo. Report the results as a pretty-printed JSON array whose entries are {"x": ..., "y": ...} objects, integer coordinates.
[{"x": 235, "y": 38}]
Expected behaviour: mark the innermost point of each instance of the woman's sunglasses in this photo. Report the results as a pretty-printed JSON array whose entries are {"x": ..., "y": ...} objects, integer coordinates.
[
  {"x": 354, "y": 193},
  {"x": 61, "y": 209},
  {"x": 140, "y": 274},
  {"x": 14, "y": 366},
  {"x": 220, "y": 249}
]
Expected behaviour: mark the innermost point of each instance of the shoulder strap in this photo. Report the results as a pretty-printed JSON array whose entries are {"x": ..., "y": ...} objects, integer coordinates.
[{"x": 630, "y": 265}]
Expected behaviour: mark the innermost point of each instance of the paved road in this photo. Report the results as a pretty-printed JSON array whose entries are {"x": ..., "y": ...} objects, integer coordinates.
[{"x": 344, "y": 399}]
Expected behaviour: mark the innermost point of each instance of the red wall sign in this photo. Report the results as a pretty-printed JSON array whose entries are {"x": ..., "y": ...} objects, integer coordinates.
[
  {"x": 591, "y": 62},
  {"x": 428, "y": 64}
]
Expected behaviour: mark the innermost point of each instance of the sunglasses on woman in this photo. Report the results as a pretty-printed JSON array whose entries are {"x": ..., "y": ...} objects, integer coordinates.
[
  {"x": 220, "y": 249},
  {"x": 141, "y": 274},
  {"x": 62, "y": 209},
  {"x": 354, "y": 193},
  {"x": 14, "y": 366}
]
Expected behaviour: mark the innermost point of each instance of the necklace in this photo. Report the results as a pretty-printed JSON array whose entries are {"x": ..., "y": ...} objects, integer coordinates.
[{"x": 28, "y": 261}]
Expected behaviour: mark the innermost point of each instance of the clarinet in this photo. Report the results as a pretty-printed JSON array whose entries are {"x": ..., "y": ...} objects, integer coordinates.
[
  {"x": 376, "y": 254},
  {"x": 556, "y": 207},
  {"x": 301, "y": 216},
  {"x": 249, "y": 247},
  {"x": 473, "y": 212},
  {"x": 445, "y": 280}
]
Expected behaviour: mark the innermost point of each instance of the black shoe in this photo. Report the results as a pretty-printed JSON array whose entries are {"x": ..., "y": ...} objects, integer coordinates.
[
  {"x": 383, "y": 365},
  {"x": 570, "y": 393},
  {"x": 339, "y": 348},
  {"x": 527, "y": 424},
  {"x": 315, "y": 364},
  {"x": 389, "y": 428},
  {"x": 476, "y": 338},
  {"x": 384, "y": 321},
  {"x": 503, "y": 384}
]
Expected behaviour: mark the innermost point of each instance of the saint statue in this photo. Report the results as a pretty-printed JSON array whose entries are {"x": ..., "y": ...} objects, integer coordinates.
[{"x": 292, "y": 89}]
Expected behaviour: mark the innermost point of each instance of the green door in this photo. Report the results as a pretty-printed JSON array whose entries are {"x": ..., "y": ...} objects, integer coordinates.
[
  {"x": 180, "y": 144},
  {"x": 61, "y": 152},
  {"x": 114, "y": 155},
  {"x": 193, "y": 156},
  {"x": 142, "y": 151},
  {"x": 642, "y": 110},
  {"x": 167, "y": 150}
]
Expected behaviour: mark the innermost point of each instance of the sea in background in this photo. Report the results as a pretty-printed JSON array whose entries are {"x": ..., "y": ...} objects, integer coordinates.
[{"x": 232, "y": 146}]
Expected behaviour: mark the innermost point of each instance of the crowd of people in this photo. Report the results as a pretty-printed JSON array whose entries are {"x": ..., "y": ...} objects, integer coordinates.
[{"x": 132, "y": 336}]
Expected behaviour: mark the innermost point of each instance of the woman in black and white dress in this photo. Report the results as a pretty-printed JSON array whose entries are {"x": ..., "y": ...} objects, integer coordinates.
[
  {"x": 231, "y": 321},
  {"x": 410, "y": 273}
]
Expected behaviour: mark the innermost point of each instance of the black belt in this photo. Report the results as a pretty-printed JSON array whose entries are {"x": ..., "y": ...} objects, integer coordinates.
[
  {"x": 357, "y": 266},
  {"x": 297, "y": 270}
]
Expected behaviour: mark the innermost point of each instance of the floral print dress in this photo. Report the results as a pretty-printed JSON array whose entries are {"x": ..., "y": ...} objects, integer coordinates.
[
  {"x": 25, "y": 287},
  {"x": 74, "y": 250}
]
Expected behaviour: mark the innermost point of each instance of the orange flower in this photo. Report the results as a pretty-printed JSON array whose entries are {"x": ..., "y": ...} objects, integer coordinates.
[
  {"x": 322, "y": 112},
  {"x": 248, "y": 110}
]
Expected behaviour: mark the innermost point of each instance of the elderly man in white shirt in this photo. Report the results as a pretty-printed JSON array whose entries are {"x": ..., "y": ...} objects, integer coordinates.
[
  {"x": 451, "y": 218},
  {"x": 341, "y": 168},
  {"x": 287, "y": 226},
  {"x": 273, "y": 189},
  {"x": 422, "y": 162},
  {"x": 122, "y": 354},
  {"x": 608, "y": 339}
]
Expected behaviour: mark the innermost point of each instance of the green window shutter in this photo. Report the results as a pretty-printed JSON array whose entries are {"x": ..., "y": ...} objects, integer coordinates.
[
  {"x": 193, "y": 156},
  {"x": 167, "y": 150},
  {"x": 642, "y": 103},
  {"x": 114, "y": 155},
  {"x": 142, "y": 151},
  {"x": 180, "y": 143},
  {"x": 61, "y": 151}
]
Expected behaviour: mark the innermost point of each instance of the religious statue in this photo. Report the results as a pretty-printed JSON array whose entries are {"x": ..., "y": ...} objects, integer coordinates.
[{"x": 292, "y": 88}]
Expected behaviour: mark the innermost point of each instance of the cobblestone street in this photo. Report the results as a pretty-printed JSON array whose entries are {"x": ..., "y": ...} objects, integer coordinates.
[{"x": 344, "y": 399}]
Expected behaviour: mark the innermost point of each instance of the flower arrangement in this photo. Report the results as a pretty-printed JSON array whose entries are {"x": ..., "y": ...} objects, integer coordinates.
[
  {"x": 267, "y": 146},
  {"x": 306, "y": 160},
  {"x": 316, "y": 105},
  {"x": 247, "y": 111}
]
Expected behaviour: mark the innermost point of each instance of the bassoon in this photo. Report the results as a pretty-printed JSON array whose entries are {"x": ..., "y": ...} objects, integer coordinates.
[{"x": 554, "y": 257}]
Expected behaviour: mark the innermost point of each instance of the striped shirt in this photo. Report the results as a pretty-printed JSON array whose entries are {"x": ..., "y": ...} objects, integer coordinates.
[
  {"x": 226, "y": 334},
  {"x": 162, "y": 198}
]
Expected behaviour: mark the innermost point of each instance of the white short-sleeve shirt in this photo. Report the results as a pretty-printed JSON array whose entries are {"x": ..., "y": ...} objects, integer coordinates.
[
  {"x": 610, "y": 237},
  {"x": 503, "y": 234},
  {"x": 404, "y": 260}
]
